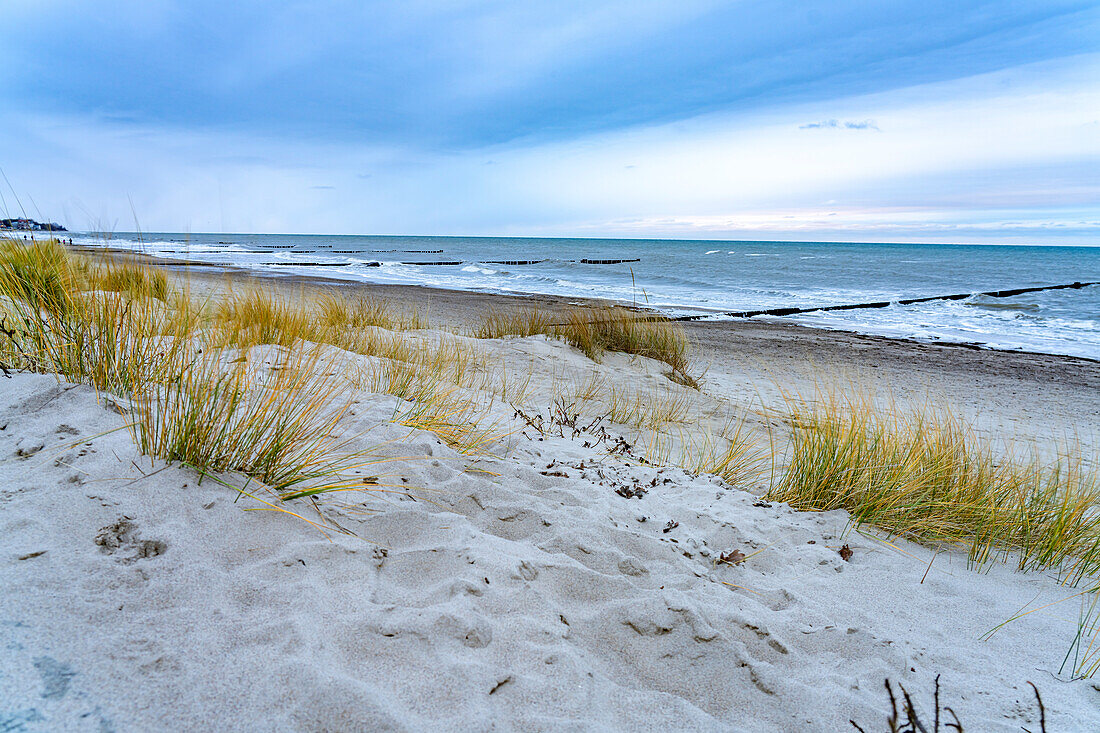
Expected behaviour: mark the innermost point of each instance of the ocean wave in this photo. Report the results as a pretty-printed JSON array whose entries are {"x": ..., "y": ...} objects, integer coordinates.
[
  {"x": 480, "y": 270},
  {"x": 674, "y": 277}
]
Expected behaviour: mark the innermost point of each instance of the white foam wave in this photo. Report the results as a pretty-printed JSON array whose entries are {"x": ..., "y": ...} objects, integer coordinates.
[{"x": 481, "y": 270}]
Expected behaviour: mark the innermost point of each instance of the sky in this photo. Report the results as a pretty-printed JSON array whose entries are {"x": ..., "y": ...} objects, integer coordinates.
[{"x": 934, "y": 121}]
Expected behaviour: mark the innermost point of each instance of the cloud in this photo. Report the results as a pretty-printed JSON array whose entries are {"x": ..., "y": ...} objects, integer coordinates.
[
  {"x": 221, "y": 117},
  {"x": 468, "y": 74},
  {"x": 714, "y": 176},
  {"x": 837, "y": 124}
]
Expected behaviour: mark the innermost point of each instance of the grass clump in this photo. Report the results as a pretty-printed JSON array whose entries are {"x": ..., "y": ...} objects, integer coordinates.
[
  {"x": 137, "y": 281},
  {"x": 925, "y": 476},
  {"x": 457, "y": 421},
  {"x": 275, "y": 425},
  {"x": 259, "y": 317},
  {"x": 40, "y": 275},
  {"x": 195, "y": 399},
  {"x": 52, "y": 326},
  {"x": 531, "y": 322},
  {"x": 597, "y": 330},
  {"x": 340, "y": 311},
  {"x": 366, "y": 326},
  {"x": 650, "y": 409},
  {"x": 730, "y": 453}
]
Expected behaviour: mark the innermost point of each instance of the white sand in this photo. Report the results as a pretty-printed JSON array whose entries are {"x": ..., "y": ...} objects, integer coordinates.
[{"x": 135, "y": 598}]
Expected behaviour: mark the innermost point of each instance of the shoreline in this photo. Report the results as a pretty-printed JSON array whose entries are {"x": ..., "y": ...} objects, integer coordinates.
[
  {"x": 1007, "y": 395},
  {"x": 453, "y": 297}
]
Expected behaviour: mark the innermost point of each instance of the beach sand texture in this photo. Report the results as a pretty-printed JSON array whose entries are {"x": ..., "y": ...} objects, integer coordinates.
[{"x": 518, "y": 590}]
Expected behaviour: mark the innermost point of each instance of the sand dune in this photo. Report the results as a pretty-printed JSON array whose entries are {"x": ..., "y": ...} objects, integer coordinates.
[{"x": 517, "y": 591}]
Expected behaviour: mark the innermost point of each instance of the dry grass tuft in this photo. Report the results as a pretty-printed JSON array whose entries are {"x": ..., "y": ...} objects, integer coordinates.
[
  {"x": 197, "y": 397},
  {"x": 532, "y": 322},
  {"x": 729, "y": 454},
  {"x": 597, "y": 330},
  {"x": 459, "y": 422},
  {"x": 40, "y": 275},
  {"x": 340, "y": 311},
  {"x": 273, "y": 424},
  {"x": 258, "y": 316},
  {"x": 927, "y": 477},
  {"x": 137, "y": 281},
  {"x": 651, "y": 409}
]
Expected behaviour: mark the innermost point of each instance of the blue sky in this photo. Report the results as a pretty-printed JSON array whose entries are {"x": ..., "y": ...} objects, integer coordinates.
[{"x": 936, "y": 121}]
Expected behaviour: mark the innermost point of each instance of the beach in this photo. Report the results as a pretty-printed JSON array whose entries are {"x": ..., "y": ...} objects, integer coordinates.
[
  {"x": 1011, "y": 394},
  {"x": 692, "y": 278},
  {"x": 573, "y": 571}
]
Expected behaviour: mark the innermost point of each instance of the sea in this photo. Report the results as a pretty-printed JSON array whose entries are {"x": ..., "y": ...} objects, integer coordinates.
[{"x": 709, "y": 278}]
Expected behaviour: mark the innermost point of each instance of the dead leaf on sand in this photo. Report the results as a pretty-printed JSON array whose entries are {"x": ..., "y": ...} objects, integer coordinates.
[{"x": 733, "y": 557}]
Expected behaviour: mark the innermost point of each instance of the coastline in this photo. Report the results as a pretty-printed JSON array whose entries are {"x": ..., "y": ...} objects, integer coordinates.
[
  {"x": 460, "y": 305},
  {"x": 1008, "y": 395}
]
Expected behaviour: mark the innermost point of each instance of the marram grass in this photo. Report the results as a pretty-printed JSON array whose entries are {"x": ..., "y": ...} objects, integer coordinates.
[
  {"x": 597, "y": 330},
  {"x": 39, "y": 275},
  {"x": 273, "y": 424},
  {"x": 196, "y": 396},
  {"x": 925, "y": 476},
  {"x": 122, "y": 328},
  {"x": 137, "y": 281}
]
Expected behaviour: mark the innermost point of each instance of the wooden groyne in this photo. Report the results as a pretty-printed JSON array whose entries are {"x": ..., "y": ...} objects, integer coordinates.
[
  {"x": 886, "y": 303},
  {"x": 607, "y": 262},
  {"x": 313, "y": 264},
  {"x": 323, "y": 264}
]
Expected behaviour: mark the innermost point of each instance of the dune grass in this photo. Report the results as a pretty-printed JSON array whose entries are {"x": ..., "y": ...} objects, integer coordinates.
[
  {"x": 925, "y": 476},
  {"x": 251, "y": 316},
  {"x": 645, "y": 409},
  {"x": 137, "y": 281},
  {"x": 255, "y": 316},
  {"x": 456, "y": 420},
  {"x": 109, "y": 340},
  {"x": 728, "y": 453},
  {"x": 46, "y": 274},
  {"x": 39, "y": 275},
  {"x": 273, "y": 424},
  {"x": 196, "y": 396},
  {"x": 597, "y": 330},
  {"x": 527, "y": 322},
  {"x": 1083, "y": 655},
  {"x": 342, "y": 311}
]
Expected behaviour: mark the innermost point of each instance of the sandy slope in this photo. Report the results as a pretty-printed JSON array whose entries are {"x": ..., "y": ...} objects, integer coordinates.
[{"x": 517, "y": 592}]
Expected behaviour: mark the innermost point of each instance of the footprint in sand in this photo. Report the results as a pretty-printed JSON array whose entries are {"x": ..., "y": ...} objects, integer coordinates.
[{"x": 122, "y": 538}]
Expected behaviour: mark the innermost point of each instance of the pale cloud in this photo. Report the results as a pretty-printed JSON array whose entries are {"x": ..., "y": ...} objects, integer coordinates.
[
  {"x": 1006, "y": 154},
  {"x": 837, "y": 124}
]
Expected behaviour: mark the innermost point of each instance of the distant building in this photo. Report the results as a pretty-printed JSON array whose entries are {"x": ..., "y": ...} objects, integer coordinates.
[{"x": 30, "y": 225}]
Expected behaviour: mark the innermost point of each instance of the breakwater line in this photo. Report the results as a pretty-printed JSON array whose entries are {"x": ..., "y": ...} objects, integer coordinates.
[{"x": 884, "y": 303}]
